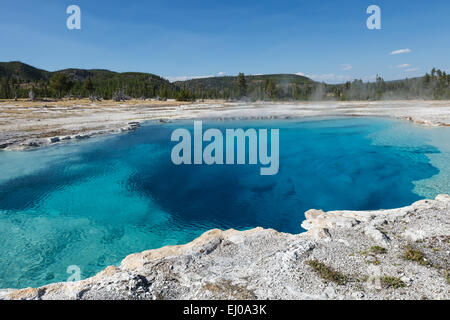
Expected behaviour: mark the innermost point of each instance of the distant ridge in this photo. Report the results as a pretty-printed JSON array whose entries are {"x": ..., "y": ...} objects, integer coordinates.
[
  {"x": 22, "y": 71},
  {"x": 25, "y": 72},
  {"x": 223, "y": 80},
  {"x": 252, "y": 80},
  {"x": 17, "y": 79}
]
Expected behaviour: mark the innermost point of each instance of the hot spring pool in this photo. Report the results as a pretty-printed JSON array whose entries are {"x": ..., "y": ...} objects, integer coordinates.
[{"x": 91, "y": 203}]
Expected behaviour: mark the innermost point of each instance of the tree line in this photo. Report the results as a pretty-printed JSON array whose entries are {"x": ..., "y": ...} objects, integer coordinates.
[
  {"x": 61, "y": 86},
  {"x": 434, "y": 85}
]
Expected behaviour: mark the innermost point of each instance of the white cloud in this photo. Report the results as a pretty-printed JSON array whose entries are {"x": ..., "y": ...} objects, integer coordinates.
[
  {"x": 178, "y": 78},
  {"x": 402, "y": 66},
  {"x": 184, "y": 78},
  {"x": 369, "y": 78},
  {"x": 322, "y": 77},
  {"x": 329, "y": 77},
  {"x": 221, "y": 73},
  {"x": 338, "y": 78},
  {"x": 400, "y": 51},
  {"x": 346, "y": 66}
]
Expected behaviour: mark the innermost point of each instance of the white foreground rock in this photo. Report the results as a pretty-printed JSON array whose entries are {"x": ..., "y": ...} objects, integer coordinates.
[{"x": 266, "y": 264}]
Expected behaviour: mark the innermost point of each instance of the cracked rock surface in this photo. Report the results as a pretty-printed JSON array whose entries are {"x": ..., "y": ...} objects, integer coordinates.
[{"x": 387, "y": 254}]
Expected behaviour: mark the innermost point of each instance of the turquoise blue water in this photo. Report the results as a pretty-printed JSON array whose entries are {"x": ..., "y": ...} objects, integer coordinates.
[{"x": 91, "y": 203}]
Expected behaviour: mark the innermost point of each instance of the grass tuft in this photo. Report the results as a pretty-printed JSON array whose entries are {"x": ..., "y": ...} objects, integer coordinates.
[
  {"x": 327, "y": 272},
  {"x": 415, "y": 255},
  {"x": 378, "y": 250},
  {"x": 392, "y": 282}
]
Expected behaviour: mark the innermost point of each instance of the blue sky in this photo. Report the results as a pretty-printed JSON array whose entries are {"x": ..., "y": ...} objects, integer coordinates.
[{"x": 327, "y": 40}]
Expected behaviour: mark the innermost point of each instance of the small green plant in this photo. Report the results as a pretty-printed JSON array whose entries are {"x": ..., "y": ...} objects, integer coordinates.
[
  {"x": 375, "y": 261},
  {"x": 392, "y": 282},
  {"x": 415, "y": 255},
  {"x": 327, "y": 272},
  {"x": 447, "y": 276},
  {"x": 363, "y": 253},
  {"x": 378, "y": 250}
]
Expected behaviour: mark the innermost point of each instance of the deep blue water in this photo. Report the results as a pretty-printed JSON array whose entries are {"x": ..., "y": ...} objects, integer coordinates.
[{"x": 91, "y": 203}]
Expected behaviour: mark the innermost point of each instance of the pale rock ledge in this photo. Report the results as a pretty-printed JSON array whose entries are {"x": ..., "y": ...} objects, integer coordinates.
[{"x": 266, "y": 264}]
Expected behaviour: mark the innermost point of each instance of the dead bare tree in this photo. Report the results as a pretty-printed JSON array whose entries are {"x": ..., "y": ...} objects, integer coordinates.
[{"x": 31, "y": 95}]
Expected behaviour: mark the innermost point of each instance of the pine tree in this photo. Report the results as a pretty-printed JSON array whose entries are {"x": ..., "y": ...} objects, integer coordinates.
[
  {"x": 242, "y": 85},
  {"x": 271, "y": 89}
]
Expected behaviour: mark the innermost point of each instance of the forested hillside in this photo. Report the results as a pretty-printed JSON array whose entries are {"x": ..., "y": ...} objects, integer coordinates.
[
  {"x": 254, "y": 87},
  {"x": 19, "y": 80}
]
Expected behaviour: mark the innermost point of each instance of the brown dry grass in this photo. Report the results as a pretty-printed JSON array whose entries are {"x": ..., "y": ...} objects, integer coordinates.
[{"x": 88, "y": 103}]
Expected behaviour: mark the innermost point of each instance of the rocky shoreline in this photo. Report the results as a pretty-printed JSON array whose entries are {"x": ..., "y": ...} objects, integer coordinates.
[{"x": 386, "y": 254}]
